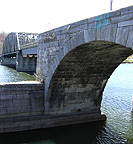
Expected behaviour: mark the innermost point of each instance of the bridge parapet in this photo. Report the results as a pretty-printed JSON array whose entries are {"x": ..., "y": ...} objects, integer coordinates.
[{"x": 116, "y": 27}]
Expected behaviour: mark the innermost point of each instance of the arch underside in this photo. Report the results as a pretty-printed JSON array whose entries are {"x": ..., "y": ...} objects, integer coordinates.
[{"x": 79, "y": 80}]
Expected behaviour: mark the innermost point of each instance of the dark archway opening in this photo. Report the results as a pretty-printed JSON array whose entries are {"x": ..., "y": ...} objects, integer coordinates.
[{"x": 81, "y": 76}]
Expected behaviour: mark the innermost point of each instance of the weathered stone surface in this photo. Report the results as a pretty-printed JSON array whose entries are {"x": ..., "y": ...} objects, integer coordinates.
[
  {"x": 87, "y": 55},
  {"x": 91, "y": 35},
  {"x": 122, "y": 35},
  {"x": 130, "y": 40},
  {"x": 119, "y": 35},
  {"x": 121, "y": 18},
  {"x": 125, "y": 23},
  {"x": 127, "y": 10},
  {"x": 21, "y": 98},
  {"x": 73, "y": 86},
  {"x": 36, "y": 122}
]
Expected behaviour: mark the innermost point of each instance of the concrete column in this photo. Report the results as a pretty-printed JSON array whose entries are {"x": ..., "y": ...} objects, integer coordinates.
[
  {"x": 8, "y": 61},
  {"x": 26, "y": 64},
  {"x": 19, "y": 61}
]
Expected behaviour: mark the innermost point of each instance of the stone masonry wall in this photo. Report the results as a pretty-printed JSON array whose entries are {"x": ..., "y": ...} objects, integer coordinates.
[
  {"x": 22, "y": 108},
  {"x": 18, "y": 99}
]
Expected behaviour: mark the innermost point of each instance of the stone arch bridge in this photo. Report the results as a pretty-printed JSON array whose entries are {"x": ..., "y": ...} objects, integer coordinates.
[{"x": 74, "y": 63}]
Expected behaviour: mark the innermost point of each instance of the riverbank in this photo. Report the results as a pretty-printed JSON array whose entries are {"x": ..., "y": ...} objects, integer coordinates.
[{"x": 129, "y": 59}]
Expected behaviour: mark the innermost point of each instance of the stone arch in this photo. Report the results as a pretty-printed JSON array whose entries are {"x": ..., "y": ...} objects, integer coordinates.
[
  {"x": 110, "y": 33},
  {"x": 71, "y": 43},
  {"x": 81, "y": 73}
]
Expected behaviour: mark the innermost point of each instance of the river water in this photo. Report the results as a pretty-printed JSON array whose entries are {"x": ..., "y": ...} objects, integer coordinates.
[{"x": 116, "y": 104}]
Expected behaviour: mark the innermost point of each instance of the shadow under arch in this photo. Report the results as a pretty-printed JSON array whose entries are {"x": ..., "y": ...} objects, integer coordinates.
[{"x": 79, "y": 80}]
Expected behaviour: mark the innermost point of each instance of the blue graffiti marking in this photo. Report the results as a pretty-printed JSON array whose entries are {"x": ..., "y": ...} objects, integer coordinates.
[
  {"x": 97, "y": 22},
  {"x": 103, "y": 22}
]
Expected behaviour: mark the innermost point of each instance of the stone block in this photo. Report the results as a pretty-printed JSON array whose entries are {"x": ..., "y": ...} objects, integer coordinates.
[
  {"x": 54, "y": 63},
  {"x": 121, "y": 18},
  {"x": 6, "y": 103},
  {"x": 124, "y": 36},
  {"x": 38, "y": 94},
  {"x": 92, "y": 35},
  {"x": 38, "y": 108},
  {"x": 118, "y": 35},
  {"x": 9, "y": 121},
  {"x": 22, "y": 128},
  {"x": 21, "y": 102},
  {"x": 61, "y": 37},
  {"x": 1, "y": 122},
  {"x": 84, "y": 26},
  {"x": 12, "y": 110},
  {"x": 35, "y": 125},
  {"x": 86, "y": 36},
  {"x": 21, "y": 119},
  {"x": 15, "y": 92},
  {"x": 79, "y": 39},
  {"x": 125, "y": 23},
  {"x": 91, "y": 20},
  {"x": 37, "y": 102},
  {"x": 91, "y": 25},
  {"x": 113, "y": 30},
  {"x": 3, "y": 110},
  {"x": 25, "y": 109},
  {"x": 6, "y": 96},
  {"x": 130, "y": 40},
  {"x": 61, "y": 55},
  {"x": 5, "y": 92},
  {"x": 21, "y": 96},
  {"x": 99, "y": 34},
  {"x": 74, "y": 30},
  {"x": 24, "y": 114},
  {"x": 114, "y": 13},
  {"x": 127, "y": 10},
  {"x": 74, "y": 42},
  {"x": 55, "y": 43}
]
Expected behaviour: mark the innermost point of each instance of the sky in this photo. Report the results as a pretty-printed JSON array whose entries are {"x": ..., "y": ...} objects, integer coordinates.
[{"x": 38, "y": 16}]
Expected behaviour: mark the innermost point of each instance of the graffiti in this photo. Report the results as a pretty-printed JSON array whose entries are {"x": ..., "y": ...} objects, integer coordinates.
[{"x": 101, "y": 22}]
